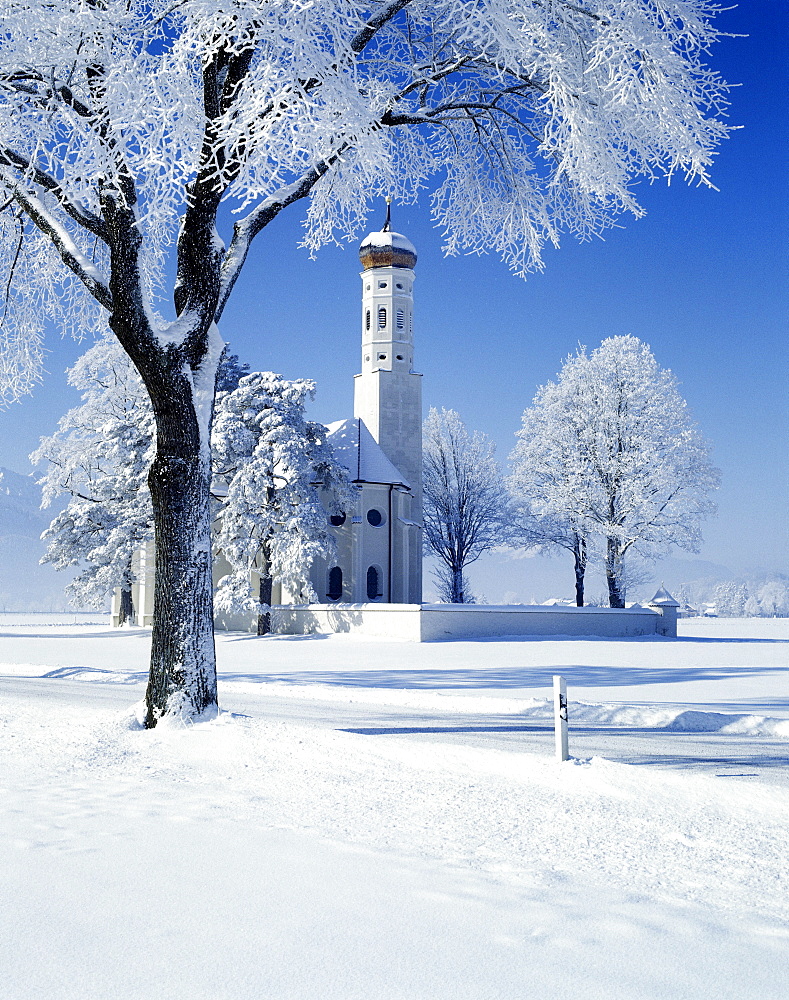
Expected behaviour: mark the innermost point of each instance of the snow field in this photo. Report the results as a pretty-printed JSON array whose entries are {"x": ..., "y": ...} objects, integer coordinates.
[{"x": 371, "y": 840}]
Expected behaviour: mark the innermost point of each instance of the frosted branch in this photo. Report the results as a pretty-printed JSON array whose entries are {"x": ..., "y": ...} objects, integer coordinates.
[{"x": 69, "y": 252}]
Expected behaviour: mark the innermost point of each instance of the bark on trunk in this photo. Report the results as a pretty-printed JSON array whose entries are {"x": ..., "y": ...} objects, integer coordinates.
[
  {"x": 264, "y": 618},
  {"x": 613, "y": 572},
  {"x": 183, "y": 666},
  {"x": 457, "y": 586},
  {"x": 579, "y": 553}
]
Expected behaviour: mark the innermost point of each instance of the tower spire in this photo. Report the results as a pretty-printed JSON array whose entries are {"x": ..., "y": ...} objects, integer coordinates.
[{"x": 387, "y": 227}]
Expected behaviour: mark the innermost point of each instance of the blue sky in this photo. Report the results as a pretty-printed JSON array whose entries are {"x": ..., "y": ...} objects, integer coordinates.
[{"x": 702, "y": 279}]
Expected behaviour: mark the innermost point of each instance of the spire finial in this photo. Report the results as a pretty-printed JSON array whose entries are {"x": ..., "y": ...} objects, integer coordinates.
[{"x": 388, "y": 224}]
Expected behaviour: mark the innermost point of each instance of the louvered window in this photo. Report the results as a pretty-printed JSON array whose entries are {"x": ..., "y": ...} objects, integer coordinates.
[
  {"x": 382, "y": 317},
  {"x": 335, "y": 584},
  {"x": 373, "y": 583}
]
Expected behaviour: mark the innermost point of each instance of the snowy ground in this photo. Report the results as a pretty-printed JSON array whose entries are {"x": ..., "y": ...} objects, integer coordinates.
[{"x": 373, "y": 819}]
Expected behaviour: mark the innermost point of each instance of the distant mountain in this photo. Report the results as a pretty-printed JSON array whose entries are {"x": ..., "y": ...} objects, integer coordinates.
[{"x": 25, "y": 585}]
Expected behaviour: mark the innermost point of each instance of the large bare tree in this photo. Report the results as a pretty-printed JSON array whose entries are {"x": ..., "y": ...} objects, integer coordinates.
[
  {"x": 127, "y": 125},
  {"x": 466, "y": 507}
]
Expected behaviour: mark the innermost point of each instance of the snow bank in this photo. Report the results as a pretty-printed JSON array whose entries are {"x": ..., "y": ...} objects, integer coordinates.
[{"x": 534, "y": 709}]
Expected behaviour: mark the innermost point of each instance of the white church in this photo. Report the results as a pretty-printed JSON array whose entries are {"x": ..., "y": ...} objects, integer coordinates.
[
  {"x": 379, "y": 544},
  {"x": 373, "y": 582}
]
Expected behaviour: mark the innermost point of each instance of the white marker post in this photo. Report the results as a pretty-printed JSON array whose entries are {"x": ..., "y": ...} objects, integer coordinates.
[{"x": 560, "y": 717}]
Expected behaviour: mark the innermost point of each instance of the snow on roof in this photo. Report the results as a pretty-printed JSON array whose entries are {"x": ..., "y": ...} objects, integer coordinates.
[
  {"x": 356, "y": 449},
  {"x": 388, "y": 239},
  {"x": 663, "y": 599}
]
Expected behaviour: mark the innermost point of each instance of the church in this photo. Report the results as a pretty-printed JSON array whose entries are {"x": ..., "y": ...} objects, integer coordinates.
[{"x": 379, "y": 544}]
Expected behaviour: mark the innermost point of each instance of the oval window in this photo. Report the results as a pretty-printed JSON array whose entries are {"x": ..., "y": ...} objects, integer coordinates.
[
  {"x": 337, "y": 520},
  {"x": 375, "y": 517}
]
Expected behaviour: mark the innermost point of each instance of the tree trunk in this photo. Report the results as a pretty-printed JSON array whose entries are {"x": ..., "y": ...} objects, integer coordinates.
[
  {"x": 183, "y": 664},
  {"x": 126, "y": 606},
  {"x": 457, "y": 586},
  {"x": 579, "y": 554},
  {"x": 613, "y": 573},
  {"x": 264, "y": 618}
]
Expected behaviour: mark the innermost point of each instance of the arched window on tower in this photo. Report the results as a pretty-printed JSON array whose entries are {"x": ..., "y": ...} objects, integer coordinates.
[
  {"x": 374, "y": 583},
  {"x": 334, "y": 592},
  {"x": 382, "y": 317}
]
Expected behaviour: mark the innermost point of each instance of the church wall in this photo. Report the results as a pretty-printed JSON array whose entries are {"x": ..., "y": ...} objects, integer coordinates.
[
  {"x": 390, "y": 404},
  {"x": 435, "y": 622},
  {"x": 143, "y": 567}
]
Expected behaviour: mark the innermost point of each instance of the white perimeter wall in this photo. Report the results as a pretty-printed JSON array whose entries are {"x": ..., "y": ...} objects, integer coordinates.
[{"x": 426, "y": 622}]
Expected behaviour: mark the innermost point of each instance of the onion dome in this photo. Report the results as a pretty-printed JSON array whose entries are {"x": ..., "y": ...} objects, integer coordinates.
[{"x": 387, "y": 249}]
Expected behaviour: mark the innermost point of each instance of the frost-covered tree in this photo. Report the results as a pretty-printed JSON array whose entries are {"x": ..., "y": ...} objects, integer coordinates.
[
  {"x": 100, "y": 457},
  {"x": 465, "y": 503},
  {"x": 640, "y": 467},
  {"x": 651, "y": 467},
  {"x": 551, "y": 482},
  {"x": 773, "y": 599},
  {"x": 272, "y": 471},
  {"x": 127, "y": 125},
  {"x": 760, "y": 597}
]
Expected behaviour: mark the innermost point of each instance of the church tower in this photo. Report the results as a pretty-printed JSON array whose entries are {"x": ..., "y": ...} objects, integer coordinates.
[{"x": 388, "y": 392}]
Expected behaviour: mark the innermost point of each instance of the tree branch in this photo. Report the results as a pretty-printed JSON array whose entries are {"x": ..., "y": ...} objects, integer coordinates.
[
  {"x": 371, "y": 28},
  {"x": 80, "y": 214},
  {"x": 61, "y": 239},
  {"x": 199, "y": 259},
  {"x": 248, "y": 228}
]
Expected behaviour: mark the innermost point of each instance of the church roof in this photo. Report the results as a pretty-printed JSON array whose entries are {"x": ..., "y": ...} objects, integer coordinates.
[
  {"x": 356, "y": 449},
  {"x": 663, "y": 599},
  {"x": 387, "y": 249}
]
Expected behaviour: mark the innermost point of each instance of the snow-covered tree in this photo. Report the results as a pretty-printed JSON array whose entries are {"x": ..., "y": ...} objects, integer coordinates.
[
  {"x": 272, "y": 470},
  {"x": 651, "y": 466},
  {"x": 551, "y": 482},
  {"x": 127, "y": 125},
  {"x": 100, "y": 457},
  {"x": 641, "y": 469},
  {"x": 265, "y": 456},
  {"x": 773, "y": 598},
  {"x": 765, "y": 596},
  {"x": 465, "y": 503}
]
